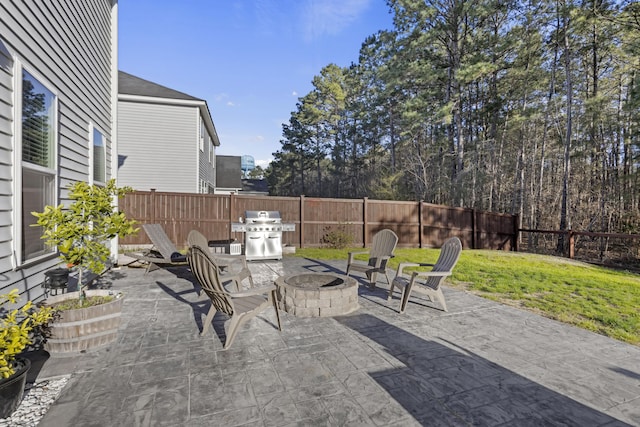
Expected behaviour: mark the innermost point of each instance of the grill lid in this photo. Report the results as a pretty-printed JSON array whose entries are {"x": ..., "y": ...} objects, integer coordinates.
[{"x": 262, "y": 216}]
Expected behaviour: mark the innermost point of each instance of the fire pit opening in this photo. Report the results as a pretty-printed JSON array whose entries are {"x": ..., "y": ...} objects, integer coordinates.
[
  {"x": 333, "y": 283},
  {"x": 317, "y": 294},
  {"x": 313, "y": 280}
]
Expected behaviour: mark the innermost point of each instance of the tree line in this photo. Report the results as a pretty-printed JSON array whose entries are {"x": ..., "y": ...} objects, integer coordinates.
[{"x": 526, "y": 107}]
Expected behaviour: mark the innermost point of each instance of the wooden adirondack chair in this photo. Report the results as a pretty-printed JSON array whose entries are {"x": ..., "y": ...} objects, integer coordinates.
[
  {"x": 382, "y": 247},
  {"x": 233, "y": 268},
  {"x": 427, "y": 282},
  {"x": 239, "y": 306}
]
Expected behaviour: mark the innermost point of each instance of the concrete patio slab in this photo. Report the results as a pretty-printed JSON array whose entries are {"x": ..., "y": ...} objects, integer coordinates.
[{"x": 481, "y": 363}]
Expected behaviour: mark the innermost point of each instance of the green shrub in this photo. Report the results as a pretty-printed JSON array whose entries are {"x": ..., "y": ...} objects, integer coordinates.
[
  {"x": 16, "y": 326},
  {"x": 336, "y": 237}
]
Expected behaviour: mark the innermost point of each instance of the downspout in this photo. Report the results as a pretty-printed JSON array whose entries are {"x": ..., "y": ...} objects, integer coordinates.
[{"x": 114, "y": 113}]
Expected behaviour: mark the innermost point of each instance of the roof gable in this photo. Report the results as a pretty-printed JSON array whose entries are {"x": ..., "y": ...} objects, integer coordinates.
[{"x": 131, "y": 85}]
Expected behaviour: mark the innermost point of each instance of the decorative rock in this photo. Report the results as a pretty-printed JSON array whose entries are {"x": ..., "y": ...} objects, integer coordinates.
[{"x": 35, "y": 403}]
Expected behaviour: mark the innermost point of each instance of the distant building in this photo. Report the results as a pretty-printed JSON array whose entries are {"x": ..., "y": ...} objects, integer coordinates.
[
  {"x": 228, "y": 174},
  {"x": 247, "y": 163},
  {"x": 166, "y": 138}
]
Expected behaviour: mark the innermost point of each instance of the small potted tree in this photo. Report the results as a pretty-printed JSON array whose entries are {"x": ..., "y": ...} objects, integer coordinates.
[
  {"x": 81, "y": 232},
  {"x": 16, "y": 326}
]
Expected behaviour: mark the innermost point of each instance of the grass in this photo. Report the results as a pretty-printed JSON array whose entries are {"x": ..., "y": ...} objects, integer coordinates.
[{"x": 595, "y": 298}]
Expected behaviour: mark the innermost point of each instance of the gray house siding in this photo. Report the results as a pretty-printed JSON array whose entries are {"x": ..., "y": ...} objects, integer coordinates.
[
  {"x": 166, "y": 138},
  {"x": 6, "y": 157},
  {"x": 69, "y": 45},
  {"x": 157, "y": 146},
  {"x": 206, "y": 169}
]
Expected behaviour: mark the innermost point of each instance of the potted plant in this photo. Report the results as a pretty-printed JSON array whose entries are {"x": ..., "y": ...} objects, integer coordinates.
[
  {"x": 16, "y": 326},
  {"x": 81, "y": 233}
]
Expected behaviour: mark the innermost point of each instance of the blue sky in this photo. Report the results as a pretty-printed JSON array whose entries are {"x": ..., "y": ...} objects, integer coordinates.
[{"x": 249, "y": 59}]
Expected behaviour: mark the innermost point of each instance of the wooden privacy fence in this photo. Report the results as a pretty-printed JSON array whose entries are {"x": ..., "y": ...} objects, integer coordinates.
[{"x": 417, "y": 224}]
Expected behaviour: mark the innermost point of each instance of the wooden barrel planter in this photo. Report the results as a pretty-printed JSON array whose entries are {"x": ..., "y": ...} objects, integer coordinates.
[{"x": 85, "y": 328}]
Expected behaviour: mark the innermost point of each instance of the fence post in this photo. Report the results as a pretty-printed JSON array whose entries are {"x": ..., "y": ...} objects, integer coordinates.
[
  {"x": 232, "y": 211},
  {"x": 516, "y": 233},
  {"x": 301, "y": 221},
  {"x": 153, "y": 206},
  {"x": 474, "y": 225},
  {"x": 572, "y": 244},
  {"x": 420, "y": 206},
  {"x": 364, "y": 222}
]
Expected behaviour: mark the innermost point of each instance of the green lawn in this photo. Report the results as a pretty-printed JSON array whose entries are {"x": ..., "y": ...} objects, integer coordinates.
[{"x": 594, "y": 298}]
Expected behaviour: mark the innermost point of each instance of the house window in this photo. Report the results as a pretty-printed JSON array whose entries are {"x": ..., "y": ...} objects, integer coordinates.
[
  {"x": 38, "y": 149},
  {"x": 99, "y": 156}
]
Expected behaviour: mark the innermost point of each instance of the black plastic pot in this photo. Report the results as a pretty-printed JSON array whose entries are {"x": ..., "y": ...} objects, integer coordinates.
[{"x": 12, "y": 388}]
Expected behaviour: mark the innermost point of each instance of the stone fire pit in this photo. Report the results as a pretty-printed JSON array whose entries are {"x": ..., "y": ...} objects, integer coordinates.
[{"x": 317, "y": 294}]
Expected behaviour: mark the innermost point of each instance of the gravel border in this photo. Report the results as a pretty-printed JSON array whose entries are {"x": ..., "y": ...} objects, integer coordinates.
[{"x": 35, "y": 402}]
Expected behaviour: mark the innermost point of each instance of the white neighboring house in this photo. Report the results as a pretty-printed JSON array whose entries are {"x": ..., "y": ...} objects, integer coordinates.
[
  {"x": 166, "y": 138},
  {"x": 58, "y": 100}
]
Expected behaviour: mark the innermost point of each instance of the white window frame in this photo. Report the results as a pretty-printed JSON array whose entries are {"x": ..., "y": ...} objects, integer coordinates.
[
  {"x": 92, "y": 155},
  {"x": 201, "y": 134},
  {"x": 20, "y": 165}
]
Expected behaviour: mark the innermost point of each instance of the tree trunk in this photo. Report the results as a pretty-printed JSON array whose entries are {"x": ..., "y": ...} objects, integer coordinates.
[{"x": 565, "y": 219}]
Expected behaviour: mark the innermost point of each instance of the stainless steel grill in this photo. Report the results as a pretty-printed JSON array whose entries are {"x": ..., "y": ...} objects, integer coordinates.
[{"x": 262, "y": 234}]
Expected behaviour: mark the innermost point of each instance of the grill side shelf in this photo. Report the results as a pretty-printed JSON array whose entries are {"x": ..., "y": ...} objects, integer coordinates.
[{"x": 238, "y": 227}]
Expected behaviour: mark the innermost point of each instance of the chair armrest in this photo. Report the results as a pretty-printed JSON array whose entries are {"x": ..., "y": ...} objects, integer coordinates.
[
  {"x": 237, "y": 277},
  {"x": 426, "y": 264},
  {"x": 431, "y": 274},
  {"x": 261, "y": 290},
  {"x": 230, "y": 259},
  {"x": 403, "y": 265},
  {"x": 353, "y": 254}
]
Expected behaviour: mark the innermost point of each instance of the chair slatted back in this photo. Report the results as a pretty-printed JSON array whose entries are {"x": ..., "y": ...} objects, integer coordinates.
[
  {"x": 207, "y": 274},
  {"x": 161, "y": 241},
  {"x": 383, "y": 244},
  {"x": 196, "y": 238},
  {"x": 449, "y": 255}
]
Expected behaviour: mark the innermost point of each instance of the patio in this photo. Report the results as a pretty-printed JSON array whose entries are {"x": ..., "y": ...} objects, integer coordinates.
[{"x": 482, "y": 363}]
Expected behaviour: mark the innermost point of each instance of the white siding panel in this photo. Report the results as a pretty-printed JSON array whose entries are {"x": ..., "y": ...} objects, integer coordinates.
[
  {"x": 6, "y": 187},
  {"x": 6, "y": 146},
  {"x": 5, "y": 175},
  {"x": 6, "y": 158},
  {"x": 5, "y": 110},
  {"x": 5, "y": 234},
  {"x": 206, "y": 168},
  {"x": 156, "y": 143},
  {"x": 5, "y": 261},
  {"x": 6, "y": 252}
]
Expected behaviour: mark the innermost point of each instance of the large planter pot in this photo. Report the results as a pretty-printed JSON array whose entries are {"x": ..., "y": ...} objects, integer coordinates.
[
  {"x": 85, "y": 328},
  {"x": 12, "y": 388}
]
